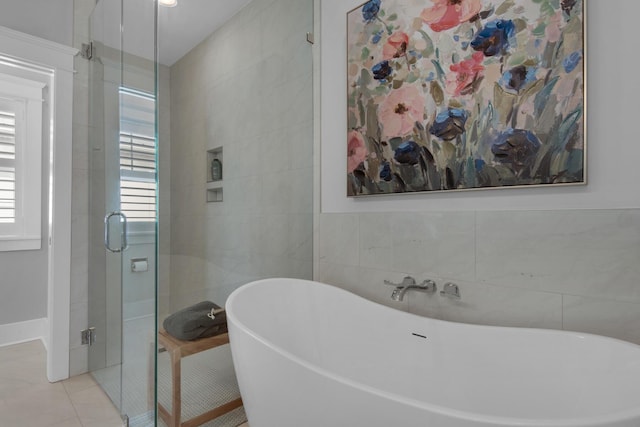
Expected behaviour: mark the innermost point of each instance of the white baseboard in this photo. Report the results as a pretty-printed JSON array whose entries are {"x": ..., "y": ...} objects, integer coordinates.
[{"x": 16, "y": 333}]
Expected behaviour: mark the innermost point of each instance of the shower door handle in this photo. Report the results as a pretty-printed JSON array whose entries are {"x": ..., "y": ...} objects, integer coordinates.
[{"x": 124, "y": 245}]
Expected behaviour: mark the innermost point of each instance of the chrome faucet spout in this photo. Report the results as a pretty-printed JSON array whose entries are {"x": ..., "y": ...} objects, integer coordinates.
[
  {"x": 398, "y": 293},
  {"x": 428, "y": 286}
]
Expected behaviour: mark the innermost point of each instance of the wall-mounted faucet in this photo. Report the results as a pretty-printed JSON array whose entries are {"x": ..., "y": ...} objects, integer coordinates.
[
  {"x": 450, "y": 290},
  {"x": 428, "y": 286}
]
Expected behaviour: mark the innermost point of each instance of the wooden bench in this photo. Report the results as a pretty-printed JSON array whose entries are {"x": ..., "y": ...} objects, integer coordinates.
[{"x": 178, "y": 349}]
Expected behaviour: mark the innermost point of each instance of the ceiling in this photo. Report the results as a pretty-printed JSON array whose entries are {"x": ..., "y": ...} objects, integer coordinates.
[
  {"x": 180, "y": 28},
  {"x": 183, "y": 27}
]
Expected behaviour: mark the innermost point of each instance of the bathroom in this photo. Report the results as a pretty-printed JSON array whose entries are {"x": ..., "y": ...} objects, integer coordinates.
[{"x": 551, "y": 258}]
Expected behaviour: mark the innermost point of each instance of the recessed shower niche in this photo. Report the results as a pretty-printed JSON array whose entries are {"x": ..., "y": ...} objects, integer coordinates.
[{"x": 214, "y": 175}]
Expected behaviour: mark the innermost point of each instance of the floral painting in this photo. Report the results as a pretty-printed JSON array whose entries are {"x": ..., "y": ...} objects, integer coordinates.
[{"x": 464, "y": 94}]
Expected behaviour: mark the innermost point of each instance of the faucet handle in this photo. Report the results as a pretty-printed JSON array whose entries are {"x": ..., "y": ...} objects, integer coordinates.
[
  {"x": 429, "y": 286},
  {"x": 450, "y": 290},
  {"x": 407, "y": 281}
]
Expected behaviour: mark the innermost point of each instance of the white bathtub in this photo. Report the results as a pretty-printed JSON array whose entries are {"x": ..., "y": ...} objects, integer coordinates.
[{"x": 312, "y": 355}]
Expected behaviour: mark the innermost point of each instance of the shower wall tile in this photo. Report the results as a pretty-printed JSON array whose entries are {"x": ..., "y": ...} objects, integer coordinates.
[
  {"x": 79, "y": 240},
  {"x": 81, "y": 11},
  {"x": 563, "y": 269},
  {"x": 187, "y": 200},
  {"x": 80, "y": 152},
  {"x": 80, "y": 193},
  {"x": 78, "y": 361},
  {"x": 79, "y": 279},
  {"x": 243, "y": 89},
  {"x": 443, "y": 242},
  {"x": 191, "y": 272},
  {"x": 285, "y": 236},
  {"x": 423, "y": 244},
  {"x": 285, "y": 152},
  {"x": 287, "y": 191},
  {"x": 587, "y": 253},
  {"x": 78, "y": 316},
  {"x": 285, "y": 17},
  {"x": 491, "y": 305},
  {"x": 81, "y": 95},
  {"x": 339, "y": 239},
  {"x": 187, "y": 237},
  {"x": 603, "y": 317},
  {"x": 340, "y": 275},
  {"x": 376, "y": 241},
  {"x": 299, "y": 108}
]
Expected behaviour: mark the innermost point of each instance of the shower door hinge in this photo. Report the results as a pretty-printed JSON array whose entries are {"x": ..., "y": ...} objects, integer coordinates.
[
  {"x": 86, "y": 51},
  {"x": 310, "y": 38},
  {"x": 88, "y": 336}
]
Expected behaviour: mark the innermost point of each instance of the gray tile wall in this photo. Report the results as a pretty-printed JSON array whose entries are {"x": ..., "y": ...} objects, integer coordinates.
[
  {"x": 572, "y": 269},
  {"x": 248, "y": 89}
]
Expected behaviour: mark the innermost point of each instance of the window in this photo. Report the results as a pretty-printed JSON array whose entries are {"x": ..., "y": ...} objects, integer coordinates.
[
  {"x": 21, "y": 140},
  {"x": 137, "y": 156},
  {"x": 7, "y": 164}
]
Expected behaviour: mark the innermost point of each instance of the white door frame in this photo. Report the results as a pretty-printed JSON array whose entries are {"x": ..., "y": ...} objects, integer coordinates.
[{"x": 56, "y": 59}]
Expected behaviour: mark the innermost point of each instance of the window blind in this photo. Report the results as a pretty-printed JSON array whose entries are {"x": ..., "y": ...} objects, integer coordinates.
[
  {"x": 137, "y": 177},
  {"x": 7, "y": 167},
  {"x": 137, "y": 153}
]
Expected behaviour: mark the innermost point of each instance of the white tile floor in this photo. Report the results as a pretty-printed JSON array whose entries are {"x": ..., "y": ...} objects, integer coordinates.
[{"x": 28, "y": 399}]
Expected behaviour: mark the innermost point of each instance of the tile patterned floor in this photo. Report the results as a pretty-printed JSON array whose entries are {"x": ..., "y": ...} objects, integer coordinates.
[{"x": 28, "y": 399}]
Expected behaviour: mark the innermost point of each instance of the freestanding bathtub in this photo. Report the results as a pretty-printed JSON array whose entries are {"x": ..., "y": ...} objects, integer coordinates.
[{"x": 312, "y": 355}]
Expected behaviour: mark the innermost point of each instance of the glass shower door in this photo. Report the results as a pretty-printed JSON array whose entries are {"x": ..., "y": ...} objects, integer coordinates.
[{"x": 123, "y": 204}]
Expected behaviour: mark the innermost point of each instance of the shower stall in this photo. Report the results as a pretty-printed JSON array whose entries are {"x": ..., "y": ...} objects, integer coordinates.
[{"x": 165, "y": 230}]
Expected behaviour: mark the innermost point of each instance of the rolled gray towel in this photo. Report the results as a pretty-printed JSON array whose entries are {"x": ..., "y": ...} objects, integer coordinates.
[{"x": 194, "y": 322}]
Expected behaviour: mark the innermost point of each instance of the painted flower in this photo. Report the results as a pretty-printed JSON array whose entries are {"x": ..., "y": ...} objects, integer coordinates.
[
  {"x": 407, "y": 153},
  {"x": 446, "y": 14},
  {"x": 567, "y": 6},
  {"x": 495, "y": 38},
  {"x": 571, "y": 62},
  {"x": 376, "y": 37},
  {"x": 356, "y": 150},
  {"x": 518, "y": 78},
  {"x": 382, "y": 70},
  {"x": 449, "y": 124},
  {"x": 396, "y": 45},
  {"x": 516, "y": 147},
  {"x": 370, "y": 10},
  {"x": 400, "y": 110},
  {"x": 385, "y": 172},
  {"x": 465, "y": 75}
]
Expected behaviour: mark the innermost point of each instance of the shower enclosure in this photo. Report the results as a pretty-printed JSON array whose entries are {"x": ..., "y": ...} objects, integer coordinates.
[
  {"x": 251, "y": 220},
  {"x": 123, "y": 204}
]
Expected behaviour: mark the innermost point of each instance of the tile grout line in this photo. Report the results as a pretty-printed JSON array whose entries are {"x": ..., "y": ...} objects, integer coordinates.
[{"x": 72, "y": 404}]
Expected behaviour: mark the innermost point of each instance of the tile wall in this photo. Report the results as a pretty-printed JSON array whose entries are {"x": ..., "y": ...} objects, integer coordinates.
[
  {"x": 577, "y": 270},
  {"x": 247, "y": 89}
]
